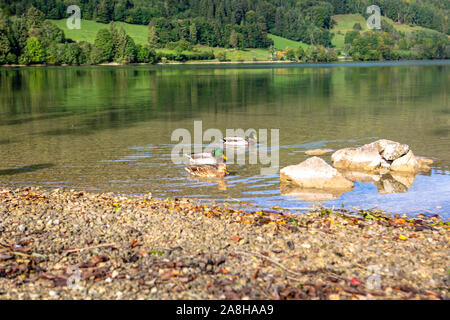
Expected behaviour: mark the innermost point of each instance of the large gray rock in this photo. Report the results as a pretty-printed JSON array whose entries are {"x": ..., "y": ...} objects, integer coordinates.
[
  {"x": 315, "y": 173},
  {"x": 366, "y": 157},
  {"x": 369, "y": 157},
  {"x": 391, "y": 150},
  {"x": 406, "y": 163}
]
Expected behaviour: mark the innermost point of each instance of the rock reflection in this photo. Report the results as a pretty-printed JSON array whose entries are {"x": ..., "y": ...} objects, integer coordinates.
[
  {"x": 313, "y": 195},
  {"x": 386, "y": 182}
]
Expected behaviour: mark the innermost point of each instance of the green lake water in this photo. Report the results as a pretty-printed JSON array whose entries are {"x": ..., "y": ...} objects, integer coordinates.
[{"x": 109, "y": 128}]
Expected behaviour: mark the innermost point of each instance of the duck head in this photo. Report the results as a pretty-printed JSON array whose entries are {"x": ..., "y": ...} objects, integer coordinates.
[
  {"x": 253, "y": 136},
  {"x": 219, "y": 153}
]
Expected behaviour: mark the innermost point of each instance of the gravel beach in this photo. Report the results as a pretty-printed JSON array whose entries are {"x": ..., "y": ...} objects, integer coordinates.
[{"x": 59, "y": 244}]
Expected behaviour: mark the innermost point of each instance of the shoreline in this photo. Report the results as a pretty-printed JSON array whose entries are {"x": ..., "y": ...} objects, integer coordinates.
[
  {"x": 244, "y": 62},
  {"x": 141, "y": 247}
]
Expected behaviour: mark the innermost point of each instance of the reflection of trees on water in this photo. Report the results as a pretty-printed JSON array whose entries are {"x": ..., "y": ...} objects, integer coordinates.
[{"x": 99, "y": 98}]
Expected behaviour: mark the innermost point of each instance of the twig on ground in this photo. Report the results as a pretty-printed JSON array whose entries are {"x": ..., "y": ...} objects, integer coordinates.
[{"x": 103, "y": 245}]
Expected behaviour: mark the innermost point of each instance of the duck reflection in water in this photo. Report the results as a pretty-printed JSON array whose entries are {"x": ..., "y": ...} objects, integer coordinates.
[{"x": 221, "y": 182}]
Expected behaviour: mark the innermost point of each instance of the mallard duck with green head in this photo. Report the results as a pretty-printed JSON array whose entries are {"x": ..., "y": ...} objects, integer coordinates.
[
  {"x": 214, "y": 157},
  {"x": 240, "y": 141},
  {"x": 208, "y": 170}
]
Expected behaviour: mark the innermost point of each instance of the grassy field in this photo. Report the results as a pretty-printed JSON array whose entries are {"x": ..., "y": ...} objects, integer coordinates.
[
  {"x": 281, "y": 43},
  {"x": 344, "y": 23},
  {"x": 89, "y": 30}
]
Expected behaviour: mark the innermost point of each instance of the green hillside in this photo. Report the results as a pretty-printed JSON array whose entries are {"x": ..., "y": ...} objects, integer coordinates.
[
  {"x": 281, "y": 43},
  {"x": 139, "y": 33},
  {"x": 89, "y": 29},
  {"x": 345, "y": 23}
]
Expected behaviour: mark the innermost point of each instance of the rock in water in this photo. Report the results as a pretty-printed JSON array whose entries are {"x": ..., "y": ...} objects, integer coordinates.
[
  {"x": 391, "y": 150},
  {"x": 315, "y": 173},
  {"x": 317, "y": 152},
  {"x": 366, "y": 157},
  {"x": 424, "y": 163},
  {"x": 406, "y": 163},
  {"x": 372, "y": 156}
]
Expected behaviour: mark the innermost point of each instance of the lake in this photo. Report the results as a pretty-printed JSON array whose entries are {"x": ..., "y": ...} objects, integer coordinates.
[{"x": 105, "y": 128}]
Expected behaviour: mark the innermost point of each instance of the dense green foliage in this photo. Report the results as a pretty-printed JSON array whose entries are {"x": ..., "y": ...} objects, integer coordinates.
[
  {"x": 182, "y": 25},
  {"x": 390, "y": 44},
  {"x": 29, "y": 39},
  {"x": 212, "y": 22},
  {"x": 312, "y": 54}
]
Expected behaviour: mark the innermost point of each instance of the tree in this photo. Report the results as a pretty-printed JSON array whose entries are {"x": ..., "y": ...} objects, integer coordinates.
[
  {"x": 221, "y": 56},
  {"x": 153, "y": 39},
  {"x": 272, "y": 52},
  {"x": 5, "y": 38},
  {"x": 34, "y": 52},
  {"x": 234, "y": 39},
  {"x": 50, "y": 33},
  {"x": 104, "y": 43},
  {"x": 357, "y": 26},
  {"x": 5, "y": 48},
  {"x": 145, "y": 54},
  {"x": 299, "y": 53},
  {"x": 290, "y": 54},
  {"x": 125, "y": 49},
  {"x": 105, "y": 11},
  {"x": 72, "y": 53},
  {"x": 19, "y": 34},
  {"x": 193, "y": 33},
  {"x": 350, "y": 36},
  {"x": 85, "y": 52},
  {"x": 34, "y": 17}
]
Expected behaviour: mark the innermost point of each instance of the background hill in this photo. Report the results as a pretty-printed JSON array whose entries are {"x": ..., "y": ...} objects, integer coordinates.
[
  {"x": 342, "y": 24},
  {"x": 35, "y": 31}
]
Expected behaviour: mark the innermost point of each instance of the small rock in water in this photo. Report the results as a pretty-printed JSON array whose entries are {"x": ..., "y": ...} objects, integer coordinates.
[
  {"x": 317, "y": 152},
  {"x": 314, "y": 173}
]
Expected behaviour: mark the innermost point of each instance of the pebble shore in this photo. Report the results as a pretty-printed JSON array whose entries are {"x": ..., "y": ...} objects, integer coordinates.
[{"x": 60, "y": 244}]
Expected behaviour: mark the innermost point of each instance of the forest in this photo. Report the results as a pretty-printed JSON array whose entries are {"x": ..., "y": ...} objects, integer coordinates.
[{"x": 27, "y": 37}]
